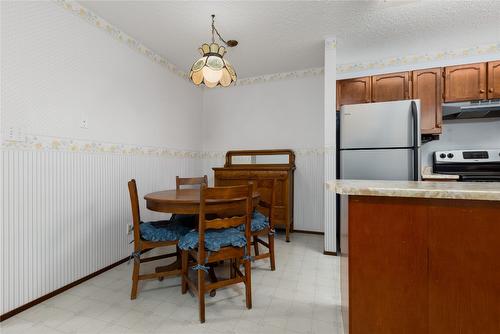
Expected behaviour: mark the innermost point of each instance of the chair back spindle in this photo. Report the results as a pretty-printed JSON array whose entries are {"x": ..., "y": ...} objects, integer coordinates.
[{"x": 136, "y": 215}]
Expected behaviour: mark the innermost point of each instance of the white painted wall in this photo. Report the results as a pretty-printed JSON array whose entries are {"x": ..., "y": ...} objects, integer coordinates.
[
  {"x": 464, "y": 134},
  {"x": 284, "y": 114},
  {"x": 277, "y": 114},
  {"x": 64, "y": 205},
  {"x": 57, "y": 69}
]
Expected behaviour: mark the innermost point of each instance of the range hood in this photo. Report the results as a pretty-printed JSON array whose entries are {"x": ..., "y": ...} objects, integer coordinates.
[{"x": 472, "y": 109}]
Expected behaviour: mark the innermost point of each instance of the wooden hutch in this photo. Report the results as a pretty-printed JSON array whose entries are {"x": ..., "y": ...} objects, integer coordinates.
[{"x": 254, "y": 165}]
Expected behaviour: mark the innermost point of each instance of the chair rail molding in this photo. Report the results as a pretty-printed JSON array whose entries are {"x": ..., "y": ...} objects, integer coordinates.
[{"x": 48, "y": 143}]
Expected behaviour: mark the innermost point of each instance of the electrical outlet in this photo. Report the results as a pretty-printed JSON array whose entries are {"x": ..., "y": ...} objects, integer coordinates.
[
  {"x": 129, "y": 229},
  {"x": 84, "y": 123},
  {"x": 11, "y": 134},
  {"x": 15, "y": 134}
]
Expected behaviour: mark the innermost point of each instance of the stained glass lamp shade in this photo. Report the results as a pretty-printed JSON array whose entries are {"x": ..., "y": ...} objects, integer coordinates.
[{"x": 212, "y": 69}]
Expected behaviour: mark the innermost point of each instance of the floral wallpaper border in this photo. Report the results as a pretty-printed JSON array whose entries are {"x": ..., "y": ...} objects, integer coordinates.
[
  {"x": 117, "y": 34},
  {"x": 48, "y": 143},
  {"x": 281, "y": 76},
  {"x": 416, "y": 59}
]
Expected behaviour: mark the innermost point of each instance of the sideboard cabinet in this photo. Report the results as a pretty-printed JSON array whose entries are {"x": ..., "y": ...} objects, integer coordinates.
[{"x": 242, "y": 167}]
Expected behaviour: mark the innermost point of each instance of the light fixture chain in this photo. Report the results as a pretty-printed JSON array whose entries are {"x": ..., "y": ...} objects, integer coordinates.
[
  {"x": 216, "y": 32},
  {"x": 213, "y": 28}
]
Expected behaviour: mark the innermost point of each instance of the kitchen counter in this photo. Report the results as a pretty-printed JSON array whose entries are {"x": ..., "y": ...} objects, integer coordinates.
[
  {"x": 487, "y": 191},
  {"x": 417, "y": 256}
]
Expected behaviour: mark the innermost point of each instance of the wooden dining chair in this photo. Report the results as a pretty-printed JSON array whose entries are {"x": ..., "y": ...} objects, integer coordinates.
[
  {"x": 262, "y": 221},
  {"x": 148, "y": 236},
  {"x": 180, "y": 181},
  {"x": 188, "y": 219},
  {"x": 219, "y": 239}
]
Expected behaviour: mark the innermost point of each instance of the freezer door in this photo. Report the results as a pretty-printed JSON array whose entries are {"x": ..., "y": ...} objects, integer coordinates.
[
  {"x": 382, "y": 164},
  {"x": 378, "y": 125}
]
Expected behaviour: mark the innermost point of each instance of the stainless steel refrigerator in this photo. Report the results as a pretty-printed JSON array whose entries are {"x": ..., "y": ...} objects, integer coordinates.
[{"x": 380, "y": 141}]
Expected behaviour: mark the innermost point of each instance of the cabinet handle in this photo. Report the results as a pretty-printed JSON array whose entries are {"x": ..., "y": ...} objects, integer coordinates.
[
  {"x": 481, "y": 91},
  {"x": 491, "y": 90}
]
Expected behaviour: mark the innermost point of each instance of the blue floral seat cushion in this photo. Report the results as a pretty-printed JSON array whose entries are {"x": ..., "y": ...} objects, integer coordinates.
[
  {"x": 214, "y": 239},
  {"x": 259, "y": 222},
  {"x": 163, "y": 230}
]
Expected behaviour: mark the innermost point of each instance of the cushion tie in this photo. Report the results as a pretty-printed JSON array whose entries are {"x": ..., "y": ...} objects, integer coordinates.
[
  {"x": 136, "y": 256},
  {"x": 200, "y": 267},
  {"x": 248, "y": 257}
]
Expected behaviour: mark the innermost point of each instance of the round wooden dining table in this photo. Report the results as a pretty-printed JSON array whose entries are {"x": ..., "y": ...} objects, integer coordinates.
[{"x": 181, "y": 201}]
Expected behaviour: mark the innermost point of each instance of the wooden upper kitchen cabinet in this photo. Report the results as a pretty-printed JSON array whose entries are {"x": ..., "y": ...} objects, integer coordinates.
[
  {"x": 390, "y": 87},
  {"x": 427, "y": 85},
  {"x": 494, "y": 80},
  {"x": 465, "y": 82},
  {"x": 353, "y": 91}
]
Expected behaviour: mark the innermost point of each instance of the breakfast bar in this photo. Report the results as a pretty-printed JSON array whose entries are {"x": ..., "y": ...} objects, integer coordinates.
[{"x": 419, "y": 257}]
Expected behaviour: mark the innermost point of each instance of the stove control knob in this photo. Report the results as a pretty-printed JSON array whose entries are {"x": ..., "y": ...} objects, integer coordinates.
[
  {"x": 450, "y": 155},
  {"x": 442, "y": 155}
]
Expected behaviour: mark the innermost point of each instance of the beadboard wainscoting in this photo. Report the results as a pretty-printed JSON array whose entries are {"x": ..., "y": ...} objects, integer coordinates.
[
  {"x": 308, "y": 186},
  {"x": 65, "y": 214}
]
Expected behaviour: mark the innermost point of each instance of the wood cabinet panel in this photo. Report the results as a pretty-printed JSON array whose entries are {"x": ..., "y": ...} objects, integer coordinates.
[
  {"x": 387, "y": 266},
  {"x": 419, "y": 265},
  {"x": 353, "y": 91},
  {"x": 427, "y": 86},
  {"x": 465, "y": 82},
  {"x": 464, "y": 268},
  {"x": 390, "y": 87},
  {"x": 494, "y": 80}
]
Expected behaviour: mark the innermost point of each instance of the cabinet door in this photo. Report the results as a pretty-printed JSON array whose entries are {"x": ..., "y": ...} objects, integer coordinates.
[
  {"x": 465, "y": 82},
  {"x": 494, "y": 79},
  {"x": 387, "y": 263},
  {"x": 390, "y": 87},
  {"x": 427, "y": 86},
  {"x": 464, "y": 270},
  {"x": 353, "y": 91}
]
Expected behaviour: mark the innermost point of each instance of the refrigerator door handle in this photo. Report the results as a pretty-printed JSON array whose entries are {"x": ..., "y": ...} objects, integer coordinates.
[{"x": 414, "y": 114}]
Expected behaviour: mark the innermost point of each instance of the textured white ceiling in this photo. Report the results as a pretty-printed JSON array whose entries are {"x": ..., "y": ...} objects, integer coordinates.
[{"x": 277, "y": 36}]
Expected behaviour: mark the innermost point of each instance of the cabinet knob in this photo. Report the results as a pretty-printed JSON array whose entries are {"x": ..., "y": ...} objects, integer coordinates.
[
  {"x": 481, "y": 91},
  {"x": 491, "y": 90}
]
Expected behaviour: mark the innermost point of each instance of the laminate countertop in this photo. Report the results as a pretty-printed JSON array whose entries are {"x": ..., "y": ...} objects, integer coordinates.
[{"x": 486, "y": 191}]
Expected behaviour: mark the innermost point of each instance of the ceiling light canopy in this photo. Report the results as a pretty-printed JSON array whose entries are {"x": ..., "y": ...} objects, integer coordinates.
[{"x": 212, "y": 69}]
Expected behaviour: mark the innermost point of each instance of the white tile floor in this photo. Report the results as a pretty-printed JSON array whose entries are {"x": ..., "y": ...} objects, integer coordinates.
[{"x": 301, "y": 296}]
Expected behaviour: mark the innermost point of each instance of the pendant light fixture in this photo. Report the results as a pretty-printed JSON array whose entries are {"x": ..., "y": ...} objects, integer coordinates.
[{"x": 212, "y": 69}]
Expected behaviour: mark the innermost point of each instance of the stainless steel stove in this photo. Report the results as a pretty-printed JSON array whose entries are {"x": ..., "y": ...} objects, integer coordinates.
[{"x": 470, "y": 165}]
